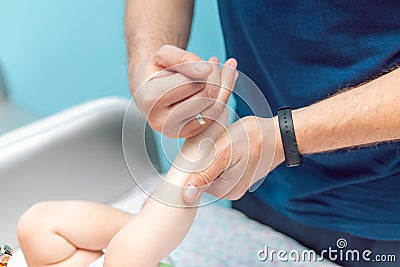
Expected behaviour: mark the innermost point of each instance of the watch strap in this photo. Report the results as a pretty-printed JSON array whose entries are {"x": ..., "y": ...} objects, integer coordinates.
[{"x": 292, "y": 155}]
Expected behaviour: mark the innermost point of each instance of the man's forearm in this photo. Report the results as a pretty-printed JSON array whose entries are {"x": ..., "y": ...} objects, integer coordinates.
[
  {"x": 149, "y": 24},
  {"x": 363, "y": 115}
]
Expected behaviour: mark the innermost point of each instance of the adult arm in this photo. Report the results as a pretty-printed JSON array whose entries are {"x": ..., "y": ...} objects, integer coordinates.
[
  {"x": 364, "y": 115},
  {"x": 150, "y": 24}
]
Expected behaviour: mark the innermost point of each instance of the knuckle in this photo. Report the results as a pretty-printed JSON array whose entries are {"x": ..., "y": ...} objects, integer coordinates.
[
  {"x": 215, "y": 111},
  {"x": 166, "y": 47},
  {"x": 160, "y": 123},
  {"x": 244, "y": 187},
  {"x": 146, "y": 102},
  {"x": 192, "y": 129},
  {"x": 208, "y": 96},
  {"x": 233, "y": 197},
  {"x": 186, "y": 57},
  {"x": 212, "y": 91},
  {"x": 156, "y": 123},
  {"x": 238, "y": 191},
  {"x": 168, "y": 134},
  {"x": 236, "y": 195},
  {"x": 160, "y": 54},
  {"x": 227, "y": 156},
  {"x": 204, "y": 178},
  {"x": 158, "y": 57}
]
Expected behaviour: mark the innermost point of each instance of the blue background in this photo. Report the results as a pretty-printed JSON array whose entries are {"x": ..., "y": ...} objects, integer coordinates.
[{"x": 57, "y": 54}]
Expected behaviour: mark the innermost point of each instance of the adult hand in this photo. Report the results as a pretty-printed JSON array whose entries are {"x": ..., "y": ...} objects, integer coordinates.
[
  {"x": 172, "y": 86},
  {"x": 246, "y": 152}
]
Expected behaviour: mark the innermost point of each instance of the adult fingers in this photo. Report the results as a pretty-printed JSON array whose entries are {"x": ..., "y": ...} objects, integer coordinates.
[
  {"x": 228, "y": 79},
  {"x": 166, "y": 91},
  {"x": 216, "y": 107},
  {"x": 182, "y": 61},
  {"x": 186, "y": 110}
]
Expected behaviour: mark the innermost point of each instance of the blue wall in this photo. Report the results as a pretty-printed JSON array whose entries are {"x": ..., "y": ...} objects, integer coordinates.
[
  {"x": 55, "y": 54},
  {"x": 207, "y": 38}
]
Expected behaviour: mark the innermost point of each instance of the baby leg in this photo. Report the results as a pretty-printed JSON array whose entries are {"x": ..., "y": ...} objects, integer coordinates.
[{"x": 67, "y": 233}]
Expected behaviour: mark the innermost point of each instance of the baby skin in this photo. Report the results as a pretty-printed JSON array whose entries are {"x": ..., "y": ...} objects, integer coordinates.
[{"x": 74, "y": 233}]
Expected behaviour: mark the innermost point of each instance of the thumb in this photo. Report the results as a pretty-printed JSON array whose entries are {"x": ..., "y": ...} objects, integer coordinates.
[
  {"x": 198, "y": 182},
  {"x": 182, "y": 61}
]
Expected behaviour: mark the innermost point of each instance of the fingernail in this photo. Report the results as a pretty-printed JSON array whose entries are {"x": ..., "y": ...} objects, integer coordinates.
[
  {"x": 214, "y": 59},
  {"x": 202, "y": 67},
  {"x": 233, "y": 63},
  {"x": 191, "y": 193}
]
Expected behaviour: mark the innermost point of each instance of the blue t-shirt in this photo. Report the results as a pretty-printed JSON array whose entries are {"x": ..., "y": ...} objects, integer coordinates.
[{"x": 299, "y": 52}]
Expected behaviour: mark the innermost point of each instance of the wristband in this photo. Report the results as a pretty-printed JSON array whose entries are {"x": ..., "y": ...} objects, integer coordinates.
[{"x": 292, "y": 156}]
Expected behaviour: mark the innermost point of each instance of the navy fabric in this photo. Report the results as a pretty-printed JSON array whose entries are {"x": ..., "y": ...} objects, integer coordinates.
[
  {"x": 320, "y": 239},
  {"x": 299, "y": 52}
]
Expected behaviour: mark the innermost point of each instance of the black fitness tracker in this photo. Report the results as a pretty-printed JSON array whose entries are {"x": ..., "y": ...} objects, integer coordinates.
[{"x": 292, "y": 156}]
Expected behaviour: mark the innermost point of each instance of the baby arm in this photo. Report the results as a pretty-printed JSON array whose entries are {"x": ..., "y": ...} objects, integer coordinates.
[{"x": 166, "y": 218}]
